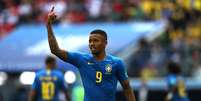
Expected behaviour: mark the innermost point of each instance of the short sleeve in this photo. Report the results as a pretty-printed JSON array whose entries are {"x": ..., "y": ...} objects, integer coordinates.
[
  {"x": 35, "y": 84},
  {"x": 74, "y": 58},
  {"x": 121, "y": 72}
]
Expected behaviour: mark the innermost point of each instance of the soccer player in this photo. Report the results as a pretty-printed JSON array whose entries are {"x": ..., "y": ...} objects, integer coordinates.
[
  {"x": 99, "y": 71},
  {"x": 48, "y": 82},
  {"x": 176, "y": 84}
]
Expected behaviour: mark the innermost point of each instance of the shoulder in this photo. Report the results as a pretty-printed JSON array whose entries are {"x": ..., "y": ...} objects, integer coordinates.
[
  {"x": 40, "y": 72},
  {"x": 86, "y": 55},
  {"x": 78, "y": 54},
  {"x": 171, "y": 79},
  {"x": 115, "y": 59},
  {"x": 180, "y": 78},
  {"x": 171, "y": 76},
  {"x": 57, "y": 72}
]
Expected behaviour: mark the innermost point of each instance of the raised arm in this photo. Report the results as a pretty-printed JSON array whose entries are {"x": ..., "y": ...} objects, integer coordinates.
[{"x": 54, "y": 47}]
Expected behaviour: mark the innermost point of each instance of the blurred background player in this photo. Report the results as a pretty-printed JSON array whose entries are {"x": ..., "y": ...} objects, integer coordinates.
[
  {"x": 48, "y": 82},
  {"x": 176, "y": 83},
  {"x": 99, "y": 71}
]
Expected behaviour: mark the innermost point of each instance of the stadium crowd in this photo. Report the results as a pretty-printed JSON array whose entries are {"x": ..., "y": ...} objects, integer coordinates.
[{"x": 180, "y": 42}]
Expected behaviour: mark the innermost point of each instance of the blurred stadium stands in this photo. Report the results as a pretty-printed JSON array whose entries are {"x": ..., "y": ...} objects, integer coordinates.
[{"x": 147, "y": 34}]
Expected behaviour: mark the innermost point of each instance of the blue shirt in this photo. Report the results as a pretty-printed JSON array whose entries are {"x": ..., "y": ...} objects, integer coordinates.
[
  {"x": 175, "y": 81},
  {"x": 47, "y": 84},
  {"x": 99, "y": 77}
]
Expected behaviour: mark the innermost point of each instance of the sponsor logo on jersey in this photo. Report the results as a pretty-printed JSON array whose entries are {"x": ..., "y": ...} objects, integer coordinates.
[{"x": 90, "y": 63}]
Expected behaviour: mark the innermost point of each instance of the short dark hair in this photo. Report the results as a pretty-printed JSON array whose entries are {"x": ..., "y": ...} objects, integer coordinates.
[
  {"x": 99, "y": 31},
  {"x": 49, "y": 59},
  {"x": 174, "y": 68}
]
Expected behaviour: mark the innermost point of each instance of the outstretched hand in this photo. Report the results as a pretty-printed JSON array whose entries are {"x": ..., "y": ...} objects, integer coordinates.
[{"x": 51, "y": 16}]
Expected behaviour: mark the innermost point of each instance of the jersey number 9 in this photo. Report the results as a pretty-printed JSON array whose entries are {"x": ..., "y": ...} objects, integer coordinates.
[
  {"x": 47, "y": 90},
  {"x": 98, "y": 77}
]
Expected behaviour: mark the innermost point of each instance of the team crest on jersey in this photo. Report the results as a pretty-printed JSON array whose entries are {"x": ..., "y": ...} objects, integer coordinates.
[{"x": 108, "y": 69}]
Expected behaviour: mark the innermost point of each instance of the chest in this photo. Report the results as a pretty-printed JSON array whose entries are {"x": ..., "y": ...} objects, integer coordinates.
[
  {"x": 103, "y": 72},
  {"x": 105, "y": 67}
]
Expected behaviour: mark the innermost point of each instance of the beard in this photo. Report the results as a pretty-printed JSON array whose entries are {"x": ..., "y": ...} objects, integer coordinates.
[{"x": 95, "y": 52}]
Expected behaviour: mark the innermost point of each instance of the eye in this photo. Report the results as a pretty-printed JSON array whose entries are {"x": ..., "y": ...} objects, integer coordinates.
[{"x": 95, "y": 40}]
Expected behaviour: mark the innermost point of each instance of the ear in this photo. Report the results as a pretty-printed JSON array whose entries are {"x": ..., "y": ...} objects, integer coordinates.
[{"x": 105, "y": 42}]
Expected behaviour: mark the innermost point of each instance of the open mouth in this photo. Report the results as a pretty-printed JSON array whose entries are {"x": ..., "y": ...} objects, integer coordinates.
[{"x": 93, "y": 48}]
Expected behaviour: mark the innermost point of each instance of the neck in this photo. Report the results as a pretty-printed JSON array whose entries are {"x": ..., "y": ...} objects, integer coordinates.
[
  {"x": 100, "y": 56},
  {"x": 48, "y": 68}
]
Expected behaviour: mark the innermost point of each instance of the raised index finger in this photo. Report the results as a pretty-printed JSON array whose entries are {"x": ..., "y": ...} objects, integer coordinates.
[{"x": 52, "y": 9}]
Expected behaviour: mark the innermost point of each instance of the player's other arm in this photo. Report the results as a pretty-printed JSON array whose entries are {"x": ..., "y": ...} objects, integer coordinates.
[
  {"x": 64, "y": 88},
  {"x": 170, "y": 94},
  {"x": 33, "y": 92},
  {"x": 128, "y": 90},
  {"x": 67, "y": 95},
  {"x": 123, "y": 78},
  {"x": 32, "y": 95},
  {"x": 54, "y": 47},
  {"x": 172, "y": 88}
]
